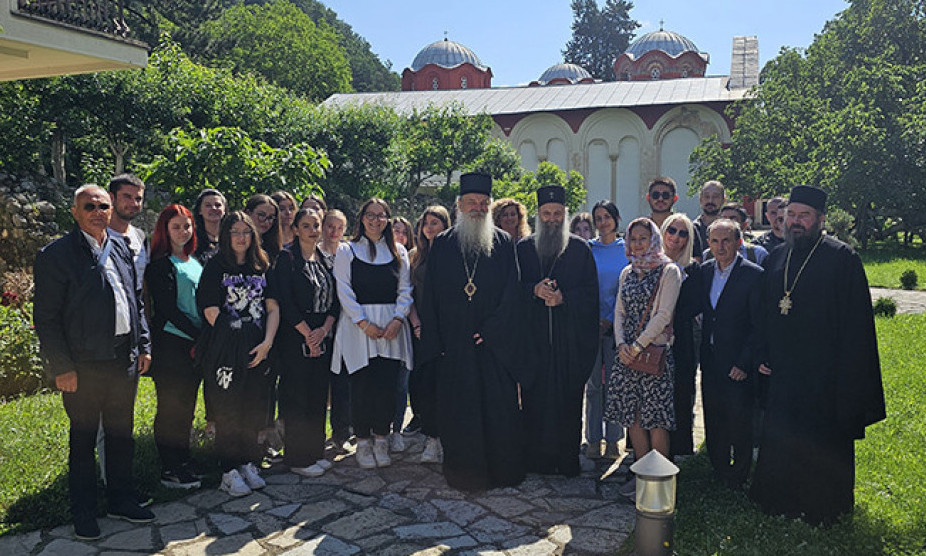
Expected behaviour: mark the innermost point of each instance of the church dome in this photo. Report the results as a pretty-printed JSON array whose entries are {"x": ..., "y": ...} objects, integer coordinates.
[
  {"x": 671, "y": 43},
  {"x": 446, "y": 54},
  {"x": 572, "y": 72}
]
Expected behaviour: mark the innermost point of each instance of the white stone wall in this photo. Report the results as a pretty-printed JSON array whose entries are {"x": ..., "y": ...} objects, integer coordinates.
[{"x": 616, "y": 152}]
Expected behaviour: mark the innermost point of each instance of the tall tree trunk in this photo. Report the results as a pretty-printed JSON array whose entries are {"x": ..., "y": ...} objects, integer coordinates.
[
  {"x": 861, "y": 224},
  {"x": 119, "y": 148},
  {"x": 58, "y": 147}
]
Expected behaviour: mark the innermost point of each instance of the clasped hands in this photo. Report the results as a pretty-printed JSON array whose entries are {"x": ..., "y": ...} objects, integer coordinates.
[
  {"x": 376, "y": 333},
  {"x": 549, "y": 292}
]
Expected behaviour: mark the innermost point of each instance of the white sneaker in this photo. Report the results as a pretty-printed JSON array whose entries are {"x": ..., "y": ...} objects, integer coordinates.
[
  {"x": 433, "y": 451},
  {"x": 396, "y": 442},
  {"x": 364, "y": 455},
  {"x": 313, "y": 470},
  {"x": 324, "y": 464},
  {"x": 381, "y": 452},
  {"x": 233, "y": 484},
  {"x": 251, "y": 477}
]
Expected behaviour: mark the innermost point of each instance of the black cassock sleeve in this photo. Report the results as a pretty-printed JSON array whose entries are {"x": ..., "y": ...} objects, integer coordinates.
[{"x": 860, "y": 399}]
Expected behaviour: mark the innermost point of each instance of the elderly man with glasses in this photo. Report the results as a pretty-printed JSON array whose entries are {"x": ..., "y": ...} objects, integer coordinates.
[{"x": 94, "y": 343}]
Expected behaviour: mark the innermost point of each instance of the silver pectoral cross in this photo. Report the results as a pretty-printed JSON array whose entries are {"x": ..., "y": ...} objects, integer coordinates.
[{"x": 785, "y": 304}]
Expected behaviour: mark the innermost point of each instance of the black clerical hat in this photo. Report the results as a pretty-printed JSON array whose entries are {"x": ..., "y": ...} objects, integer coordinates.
[
  {"x": 475, "y": 182},
  {"x": 809, "y": 195},
  {"x": 551, "y": 194}
]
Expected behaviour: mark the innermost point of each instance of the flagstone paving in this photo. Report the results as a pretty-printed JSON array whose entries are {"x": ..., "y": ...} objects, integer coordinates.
[{"x": 403, "y": 509}]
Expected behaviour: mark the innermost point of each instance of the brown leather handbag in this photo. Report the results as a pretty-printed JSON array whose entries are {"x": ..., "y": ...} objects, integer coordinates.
[{"x": 652, "y": 360}]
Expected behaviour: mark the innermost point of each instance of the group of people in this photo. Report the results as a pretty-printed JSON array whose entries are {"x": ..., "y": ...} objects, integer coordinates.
[{"x": 498, "y": 335}]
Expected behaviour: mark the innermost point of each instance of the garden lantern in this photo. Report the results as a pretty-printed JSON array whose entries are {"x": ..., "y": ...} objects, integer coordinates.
[{"x": 655, "y": 492}]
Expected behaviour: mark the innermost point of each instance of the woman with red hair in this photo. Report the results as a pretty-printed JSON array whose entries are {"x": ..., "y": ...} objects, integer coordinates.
[{"x": 172, "y": 277}]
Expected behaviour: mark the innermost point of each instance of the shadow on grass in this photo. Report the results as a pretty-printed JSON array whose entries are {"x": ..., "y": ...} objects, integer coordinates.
[{"x": 712, "y": 519}]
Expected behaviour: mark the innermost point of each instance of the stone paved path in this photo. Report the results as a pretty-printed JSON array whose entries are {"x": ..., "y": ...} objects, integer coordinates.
[
  {"x": 403, "y": 509},
  {"x": 908, "y": 301}
]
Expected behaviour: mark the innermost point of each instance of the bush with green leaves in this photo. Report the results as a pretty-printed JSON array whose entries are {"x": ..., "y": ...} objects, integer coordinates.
[
  {"x": 885, "y": 307},
  {"x": 20, "y": 366},
  {"x": 908, "y": 279}
]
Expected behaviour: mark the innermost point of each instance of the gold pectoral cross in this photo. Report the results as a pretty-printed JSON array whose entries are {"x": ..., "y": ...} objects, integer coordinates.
[{"x": 785, "y": 304}]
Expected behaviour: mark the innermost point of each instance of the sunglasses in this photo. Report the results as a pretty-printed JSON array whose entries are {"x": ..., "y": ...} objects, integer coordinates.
[
  {"x": 90, "y": 207},
  {"x": 261, "y": 217},
  {"x": 672, "y": 230},
  {"x": 656, "y": 195}
]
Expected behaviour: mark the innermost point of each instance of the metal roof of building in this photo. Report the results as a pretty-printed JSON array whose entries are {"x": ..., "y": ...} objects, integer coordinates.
[
  {"x": 519, "y": 100},
  {"x": 572, "y": 72},
  {"x": 671, "y": 43},
  {"x": 446, "y": 54}
]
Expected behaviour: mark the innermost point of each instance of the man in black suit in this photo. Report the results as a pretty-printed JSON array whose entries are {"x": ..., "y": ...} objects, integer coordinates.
[
  {"x": 94, "y": 343},
  {"x": 731, "y": 305}
]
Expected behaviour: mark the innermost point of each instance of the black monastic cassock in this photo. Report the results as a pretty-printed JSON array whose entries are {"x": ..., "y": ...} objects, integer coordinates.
[
  {"x": 477, "y": 392},
  {"x": 825, "y": 386},
  {"x": 561, "y": 345}
]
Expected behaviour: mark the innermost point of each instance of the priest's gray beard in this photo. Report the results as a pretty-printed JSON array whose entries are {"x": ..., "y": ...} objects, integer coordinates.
[
  {"x": 475, "y": 233},
  {"x": 551, "y": 238}
]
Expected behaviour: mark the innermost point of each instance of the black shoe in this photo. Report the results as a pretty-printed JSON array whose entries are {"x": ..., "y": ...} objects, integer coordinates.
[
  {"x": 86, "y": 527},
  {"x": 413, "y": 427},
  {"x": 130, "y": 511},
  {"x": 180, "y": 478}
]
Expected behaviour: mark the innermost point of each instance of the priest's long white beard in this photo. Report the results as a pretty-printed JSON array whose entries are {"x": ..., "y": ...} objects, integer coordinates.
[
  {"x": 551, "y": 238},
  {"x": 475, "y": 233}
]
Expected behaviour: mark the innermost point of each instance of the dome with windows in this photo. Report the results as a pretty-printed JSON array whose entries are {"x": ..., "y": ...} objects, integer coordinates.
[
  {"x": 565, "y": 73},
  {"x": 671, "y": 43},
  {"x": 446, "y": 54}
]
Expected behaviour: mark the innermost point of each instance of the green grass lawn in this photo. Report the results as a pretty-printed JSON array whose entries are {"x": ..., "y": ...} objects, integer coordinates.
[
  {"x": 889, "y": 516},
  {"x": 885, "y": 262},
  {"x": 890, "y": 494}
]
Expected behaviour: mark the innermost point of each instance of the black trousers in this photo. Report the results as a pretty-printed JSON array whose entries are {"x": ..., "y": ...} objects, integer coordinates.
[
  {"x": 239, "y": 412},
  {"x": 176, "y": 383},
  {"x": 303, "y": 396},
  {"x": 372, "y": 390},
  {"x": 340, "y": 406},
  {"x": 422, "y": 391},
  {"x": 728, "y": 407},
  {"x": 105, "y": 391}
]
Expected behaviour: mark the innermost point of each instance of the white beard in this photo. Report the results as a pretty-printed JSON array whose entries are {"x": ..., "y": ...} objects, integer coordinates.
[
  {"x": 551, "y": 238},
  {"x": 475, "y": 233}
]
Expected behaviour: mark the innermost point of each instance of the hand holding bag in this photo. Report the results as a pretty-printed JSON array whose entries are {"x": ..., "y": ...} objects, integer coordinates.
[{"x": 652, "y": 360}]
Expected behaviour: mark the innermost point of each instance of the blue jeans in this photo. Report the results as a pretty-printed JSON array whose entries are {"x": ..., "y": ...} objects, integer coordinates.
[{"x": 595, "y": 390}]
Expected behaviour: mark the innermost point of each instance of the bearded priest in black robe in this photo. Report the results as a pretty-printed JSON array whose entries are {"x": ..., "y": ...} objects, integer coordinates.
[
  {"x": 559, "y": 283},
  {"x": 468, "y": 314},
  {"x": 823, "y": 367}
]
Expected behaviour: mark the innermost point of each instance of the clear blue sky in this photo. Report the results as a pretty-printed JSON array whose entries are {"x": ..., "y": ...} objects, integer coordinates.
[{"x": 519, "y": 39}]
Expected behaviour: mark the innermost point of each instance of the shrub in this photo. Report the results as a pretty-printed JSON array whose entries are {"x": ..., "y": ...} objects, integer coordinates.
[
  {"x": 885, "y": 307},
  {"x": 908, "y": 279},
  {"x": 20, "y": 366}
]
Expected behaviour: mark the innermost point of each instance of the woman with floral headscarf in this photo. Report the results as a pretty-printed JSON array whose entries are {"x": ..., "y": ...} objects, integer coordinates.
[{"x": 640, "y": 401}]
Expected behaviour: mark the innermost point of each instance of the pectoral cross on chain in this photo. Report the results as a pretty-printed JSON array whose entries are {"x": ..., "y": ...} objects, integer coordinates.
[{"x": 785, "y": 304}]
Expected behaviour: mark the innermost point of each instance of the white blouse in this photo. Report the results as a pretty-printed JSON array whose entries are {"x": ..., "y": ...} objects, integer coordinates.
[{"x": 352, "y": 346}]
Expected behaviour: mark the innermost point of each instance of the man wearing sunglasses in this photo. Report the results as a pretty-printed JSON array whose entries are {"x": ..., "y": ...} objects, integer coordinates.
[
  {"x": 661, "y": 198},
  {"x": 94, "y": 343}
]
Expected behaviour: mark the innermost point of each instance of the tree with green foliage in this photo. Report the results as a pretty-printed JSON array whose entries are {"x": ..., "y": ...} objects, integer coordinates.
[
  {"x": 280, "y": 42},
  {"x": 525, "y": 189},
  {"x": 846, "y": 115},
  {"x": 599, "y": 35},
  {"x": 441, "y": 140},
  {"x": 229, "y": 160}
]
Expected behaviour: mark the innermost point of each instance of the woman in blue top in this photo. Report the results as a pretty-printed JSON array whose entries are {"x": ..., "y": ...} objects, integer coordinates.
[
  {"x": 610, "y": 258},
  {"x": 173, "y": 276}
]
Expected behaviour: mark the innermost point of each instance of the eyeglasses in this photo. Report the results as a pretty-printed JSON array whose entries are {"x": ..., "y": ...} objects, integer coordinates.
[
  {"x": 656, "y": 195},
  {"x": 374, "y": 216},
  {"x": 672, "y": 230},
  {"x": 90, "y": 207},
  {"x": 261, "y": 217}
]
